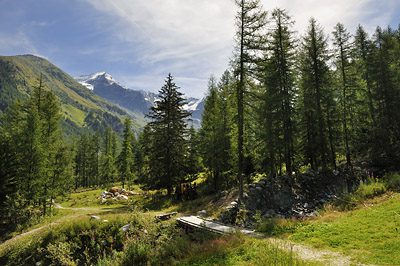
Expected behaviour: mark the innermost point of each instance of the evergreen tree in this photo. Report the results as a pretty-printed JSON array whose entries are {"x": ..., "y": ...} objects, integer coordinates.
[
  {"x": 81, "y": 162},
  {"x": 108, "y": 157},
  {"x": 343, "y": 50},
  {"x": 169, "y": 135},
  {"x": 277, "y": 112},
  {"x": 93, "y": 160},
  {"x": 126, "y": 156},
  {"x": 250, "y": 22},
  {"x": 314, "y": 94},
  {"x": 210, "y": 133},
  {"x": 386, "y": 92},
  {"x": 193, "y": 164},
  {"x": 143, "y": 154}
]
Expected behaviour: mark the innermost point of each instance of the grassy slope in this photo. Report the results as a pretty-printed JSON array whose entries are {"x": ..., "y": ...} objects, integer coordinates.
[{"x": 370, "y": 234}]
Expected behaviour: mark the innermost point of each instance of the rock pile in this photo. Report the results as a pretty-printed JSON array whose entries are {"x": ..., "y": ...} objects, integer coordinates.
[
  {"x": 281, "y": 197},
  {"x": 116, "y": 194}
]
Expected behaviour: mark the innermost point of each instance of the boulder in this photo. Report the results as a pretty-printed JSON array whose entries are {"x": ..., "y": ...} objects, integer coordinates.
[
  {"x": 122, "y": 191},
  {"x": 113, "y": 190},
  {"x": 94, "y": 217},
  {"x": 202, "y": 213},
  {"x": 122, "y": 197},
  {"x": 126, "y": 228}
]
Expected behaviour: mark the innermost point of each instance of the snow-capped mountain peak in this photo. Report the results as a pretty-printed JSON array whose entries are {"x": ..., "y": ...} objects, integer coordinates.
[
  {"x": 103, "y": 77},
  {"x": 134, "y": 101}
]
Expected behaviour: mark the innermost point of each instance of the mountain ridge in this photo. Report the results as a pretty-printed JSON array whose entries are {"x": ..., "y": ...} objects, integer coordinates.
[{"x": 135, "y": 102}]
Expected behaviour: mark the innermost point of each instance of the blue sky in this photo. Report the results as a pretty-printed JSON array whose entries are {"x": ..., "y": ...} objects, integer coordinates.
[{"x": 139, "y": 42}]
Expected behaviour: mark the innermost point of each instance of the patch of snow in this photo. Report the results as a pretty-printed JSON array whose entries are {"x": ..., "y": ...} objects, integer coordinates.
[
  {"x": 192, "y": 105},
  {"x": 87, "y": 85}
]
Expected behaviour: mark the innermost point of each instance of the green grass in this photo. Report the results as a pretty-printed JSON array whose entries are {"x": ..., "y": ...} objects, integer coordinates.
[
  {"x": 90, "y": 198},
  {"x": 370, "y": 233},
  {"x": 240, "y": 250}
]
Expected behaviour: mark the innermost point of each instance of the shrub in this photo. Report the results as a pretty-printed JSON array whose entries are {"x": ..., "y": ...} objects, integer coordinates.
[
  {"x": 369, "y": 189},
  {"x": 392, "y": 181},
  {"x": 60, "y": 254}
]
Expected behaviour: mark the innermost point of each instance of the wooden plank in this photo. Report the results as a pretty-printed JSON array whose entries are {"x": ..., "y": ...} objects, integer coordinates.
[{"x": 212, "y": 226}]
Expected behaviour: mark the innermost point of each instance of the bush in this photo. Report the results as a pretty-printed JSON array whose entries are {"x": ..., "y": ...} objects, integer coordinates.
[
  {"x": 369, "y": 189},
  {"x": 392, "y": 181}
]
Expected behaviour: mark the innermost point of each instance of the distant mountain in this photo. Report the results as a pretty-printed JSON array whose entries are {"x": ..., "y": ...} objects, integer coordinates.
[
  {"x": 82, "y": 109},
  {"x": 136, "y": 103}
]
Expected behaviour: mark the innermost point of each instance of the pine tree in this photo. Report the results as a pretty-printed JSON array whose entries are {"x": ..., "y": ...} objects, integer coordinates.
[
  {"x": 169, "y": 135},
  {"x": 278, "y": 77},
  {"x": 93, "y": 159},
  {"x": 210, "y": 132},
  {"x": 81, "y": 162},
  {"x": 126, "y": 156},
  {"x": 343, "y": 49},
  {"x": 314, "y": 91},
  {"x": 193, "y": 164},
  {"x": 250, "y": 22},
  {"x": 108, "y": 157},
  {"x": 386, "y": 91},
  {"x": 143, "y": 154}
]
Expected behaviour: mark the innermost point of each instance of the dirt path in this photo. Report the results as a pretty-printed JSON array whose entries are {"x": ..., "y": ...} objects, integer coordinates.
[
  {"x": 325, "y": 257},
  {"x": 86, "y": 211}
]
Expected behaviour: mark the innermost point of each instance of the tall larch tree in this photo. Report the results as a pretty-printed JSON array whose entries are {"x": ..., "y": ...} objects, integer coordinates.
[
  {"x": 343, "y": 49},
  {"x": 250, "y": 22}
]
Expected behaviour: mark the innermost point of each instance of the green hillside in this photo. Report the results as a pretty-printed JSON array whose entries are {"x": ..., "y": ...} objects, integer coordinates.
[{"x": 81, "y": 108}]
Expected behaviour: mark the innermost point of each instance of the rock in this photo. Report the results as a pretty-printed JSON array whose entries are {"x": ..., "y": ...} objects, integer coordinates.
[
  {"x": 103, "y": 200},
  {"x": 234, "y": 204},
  {"x": 94, "y": 217},
  {"x": 105, "y": 221},
  {"x": 261, "y": 183},
  {"x": 122, "y": 191},
  {"x": 306, "y": 205},
  {"x": 222, "y": 194},
  {"x": 113, "y": 190},
  {"x": 202, "y": 213},
  {"x": 122, "y": 197},
  {"x": 131, "y": 193},
  {"x": 259, "y": 188},
  {"x": 116, "y": 194},
  {"x": 126, "y": 228}
]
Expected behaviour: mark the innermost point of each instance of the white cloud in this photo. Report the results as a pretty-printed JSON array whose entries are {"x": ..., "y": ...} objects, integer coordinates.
[
  {"x": 193, "y": 39},
  {"x": 16, "y": 43},
  {"x": 369, "y": 13}
]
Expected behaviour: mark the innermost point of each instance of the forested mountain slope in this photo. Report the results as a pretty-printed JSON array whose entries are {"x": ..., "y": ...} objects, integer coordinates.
[{"x": 81, "y": 108}]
